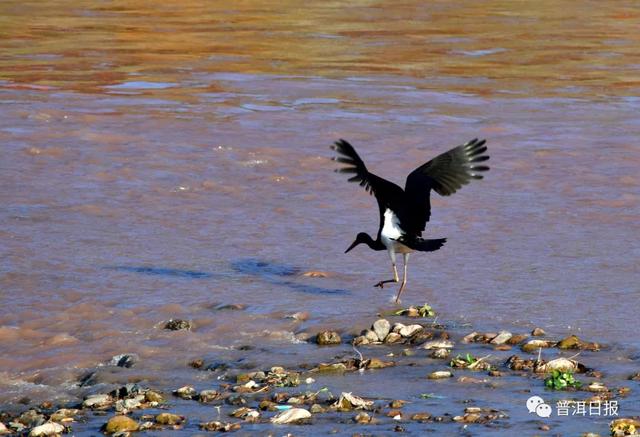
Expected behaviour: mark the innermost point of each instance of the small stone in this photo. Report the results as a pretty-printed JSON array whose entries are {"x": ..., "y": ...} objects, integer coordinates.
[
  {"x": 219, "y": 426},
  {"x": 62, "y": 414},
  {"x": 398, "y": 403},
  {"x": 411, "y": 312},
  {"x": 597, "y": 387},
  {"x": 315, "y": 274},
  {"x": 316, "y": 409},
  {"x": 97, "y": 401},
  {"x": 198, "y": 363},
  {"x": 47, "y": 429},
  {"x": 208, "y": 395},
  {"x": 624, "y": 427},
  {"x": 502, "y": 347},
  {"x": 421, "y": 417},
  {"x": 397, "y": 327},
  {"x": 544, "y": 426},
  {"x": 153, "y": 396},
  {"x": 124, "y": 360},
  {"x": 635, "y": 377},
  {"x": 395, "y": 414},
  {"x": 178, "y": 325},
  {"x": 410, "y": 331},
  {"x": 501, "y": 338},
  {"x": 440, "y": 353},
  {"x": 534, "y": 345},
  {"x": 169, "y": 419},
  {"x": 331, "y": 367},
  {"x": 267, "y": 405},
  {"x": 561, "y": 364},
  {"x": 371, "y": 336},
  {"x": 496, "y": 373},
  {"x": 327, "y": 338},
  {"x": 393, "y": 337},
  {"x": 538, "y": 332},
  {"x": 362, "y": 418},
  {"x": 438, "y": 344},
  {"x": 376, "y": 363},
  {"x": 381, "y": 327},
  {"x": 124, "y": 405},
  {"x": 185, "y": 392},
  {"x": 360, "y": 340},
  {"x": 120, "y": 424},
  {"x": 31, "y": 418},
  {"x": 440, "y": 374},
  {"x": 473, "y": 410},
  {"x": 348, "y": 402},
  {"x": 573, "y": 342},
  {"x": 517, "y": 339},
  {"x": 291, "y": 416},
  {"x": 231, "y": 306},
  {"x": 309, "y": 380}
]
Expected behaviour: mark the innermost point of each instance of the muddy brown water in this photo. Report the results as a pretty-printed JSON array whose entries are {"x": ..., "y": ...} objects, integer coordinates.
[{"x": 160, "y": 160}]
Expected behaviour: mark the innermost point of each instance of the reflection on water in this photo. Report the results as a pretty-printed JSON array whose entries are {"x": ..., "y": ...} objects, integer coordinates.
[{"x": 146, "y": 144}]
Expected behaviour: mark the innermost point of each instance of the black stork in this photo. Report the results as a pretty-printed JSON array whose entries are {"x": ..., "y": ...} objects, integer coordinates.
[{"x": 404, "y": 213}]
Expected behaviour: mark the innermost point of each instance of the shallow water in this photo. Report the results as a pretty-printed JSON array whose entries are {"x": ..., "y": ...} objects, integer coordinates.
[{"x": 161, "y": 160}]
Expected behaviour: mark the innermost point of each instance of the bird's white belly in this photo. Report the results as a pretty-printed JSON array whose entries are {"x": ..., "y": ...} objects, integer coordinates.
[{"x": 391, "y": 231}]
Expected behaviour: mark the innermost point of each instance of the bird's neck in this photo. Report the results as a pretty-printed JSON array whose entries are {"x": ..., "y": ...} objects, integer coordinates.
[{"x": 374, "y": 244}]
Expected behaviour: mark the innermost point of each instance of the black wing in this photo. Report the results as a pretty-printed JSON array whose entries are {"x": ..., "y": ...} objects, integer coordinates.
[
  {"x": 387, "y": 193},
  {"x": 445, "y": 174}
]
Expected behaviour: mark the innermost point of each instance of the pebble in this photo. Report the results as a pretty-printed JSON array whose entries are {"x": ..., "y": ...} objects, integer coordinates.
[
  {"x": 421, "y": 417},
  {"x": 97, "y": 401},
  {"x": 47, "y": 429},
  {"x": 169, "y": 419},
  {"x": 124, "y": 360},
  {"x": 440, "y": 353},
  {"x": 534, "y": 345},
  {"x": 120, "y": 424},
  {"x": 517, "y": 339},
  {"x": 393, "y": 337},
  {"x": 62, "y": 414},
  {"x": 538, "y": 332},
  {"x": 397, "y": 327},
  {"x": 381, "y": 327},
  {"x": 501, "y": 338},
  {"x": 328, "y": 338},
  {"x": 317, "y": 408},
  {"x": 362, "y": 418},
  {"x": 208, "y": 395},
  {"x": 31, "y": 418},
  {"x": 360, "y": 340},
  {"x": 376, "y": 363},
  {"x": 561, "y": 364},
  {"x": 438, "y": 344},
  {"x": 440, "y": 374},
  {"x": 371, "y": 336},
  {"x": 597, "y": 387},
  {"x": 178, "y": 325},
  {"x": 219, "y": 426},
  {"x": 291, "y": 416},
  {"x": 398, "y": 403},
  {"x": 185, "y": 392},
  {"x": 410, "y": 331},
  {"x": 153, "y": 396}
]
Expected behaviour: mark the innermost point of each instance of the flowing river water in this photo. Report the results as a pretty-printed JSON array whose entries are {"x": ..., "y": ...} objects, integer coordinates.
[{"x": 160, "y": 159}]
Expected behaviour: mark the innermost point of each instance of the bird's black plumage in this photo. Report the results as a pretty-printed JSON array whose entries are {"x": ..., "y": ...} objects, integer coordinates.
[{"x": 404, "y": 213}]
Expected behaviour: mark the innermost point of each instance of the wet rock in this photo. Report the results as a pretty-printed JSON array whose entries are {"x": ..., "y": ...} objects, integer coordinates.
[
  {"x": 126, "y": 391},
  {"x": 198, "y": 363},
  {"x": 185, "y": 392},
  {"x": 316, "y": 409},
  {"x": 501, "y": 338},
  {"x": 120, "y": 424},
  {"x": 534, "y": 345},
  {"x": 635, "y": 377},
  {"x": 438, "y": 344},
  {"x": 169, "y": 419},
  {"x": 573, "y": 342},
  {"x": 31, "y": 418},
  {"x": 330, "y": 367},
  {"x": 315, "y": 274},
  {"x": 544, "y": 427},
  {"x": 208, "y": 395},
  {"x": 468, "y": 418},
  {"x": 282, "y": 378},
  {"x": 47, "y": 429},
  {"x": 63, "y": 415},
  {"x": 371, "y": 336},
  {"x": 624, "y": 427},
  {"x": 517, "y": 339},
  {"x": 397, "y": 327},
  {"x": 398, "y": 403},
  {"x": 97, "y": 401},
  {"x": 348, "y": 402},
  {"x": 328, "y": 338},
  {"x": 124, "y": 405},
  {"x": 124, "y": 360},
  {"x": 376, "y": 363},
  {"x": 381, "y": 327},
  {"x": 293, "y": 415},
  {"x": 248, "y": 414},
  {"x": 495, "y": 373},
  {"x": 410, "y": 331},
  {"x": 597, "y": 387},
  {"x": 440, "y": 353},
  {"x": 421, "y": 417},
  {"x": 538, "y": 332},
  {"x": 360, "y": 340},
  {"x": 231, "y": 306},
  {"x": 440, "y": 374},
  {"x": 514, "y": 362},
  {"x": 153, "y": 396},
  {"x": 502, "y": 347},
  {"x": 267, "y": 405},
  {"x": 395, "y": 414},
  {"x": 237, "y": 400},
  {"x": 473, "y": 337},
  {"x": 421, "y": 337},
  {"x": 362, "y": 418},
  {"x": 178, "y": 325},
  {"x": 393, "y": 337},
  {"x": 560, "y": 364},
  {"x": 216, "y": 426}
]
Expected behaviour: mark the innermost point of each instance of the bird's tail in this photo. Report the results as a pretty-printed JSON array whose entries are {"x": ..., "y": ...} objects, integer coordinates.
[{"x": 426, "y": 245}]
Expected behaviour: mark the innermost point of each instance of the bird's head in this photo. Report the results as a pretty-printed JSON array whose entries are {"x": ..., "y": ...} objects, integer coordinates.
[{"x": 361, "y": 238}]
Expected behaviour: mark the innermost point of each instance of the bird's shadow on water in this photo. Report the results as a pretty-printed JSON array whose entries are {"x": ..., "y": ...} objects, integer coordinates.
[
  {"x": 279, "y": 274},
  {"x": 162, "y": 271}
]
